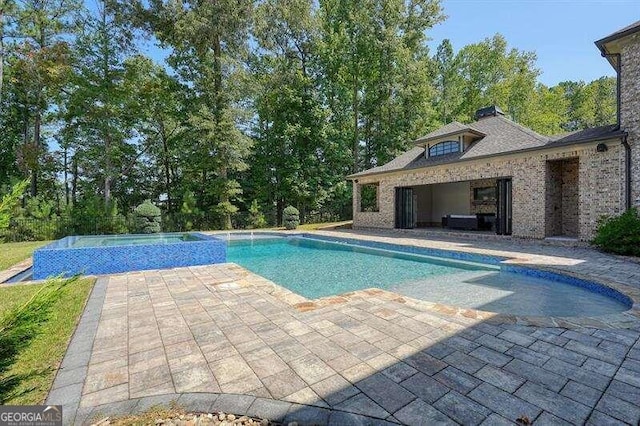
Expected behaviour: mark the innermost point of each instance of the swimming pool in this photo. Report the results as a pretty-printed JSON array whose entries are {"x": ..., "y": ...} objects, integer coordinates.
[{"x": 317, "y": 268}]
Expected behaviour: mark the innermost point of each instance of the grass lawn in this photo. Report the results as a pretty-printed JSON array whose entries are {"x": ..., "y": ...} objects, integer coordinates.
[
  {"x": 12, "y": 253},
  {"x": 43, "y": 336}
]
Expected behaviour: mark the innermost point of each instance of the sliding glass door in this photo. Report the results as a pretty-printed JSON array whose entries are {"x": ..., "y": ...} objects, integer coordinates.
[
  {"x": 405, "y": 209},
  {"x": 504, "y": 207}
]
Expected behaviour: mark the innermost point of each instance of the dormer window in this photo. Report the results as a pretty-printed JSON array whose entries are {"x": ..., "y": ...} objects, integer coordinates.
[{"x": 442, "y": 148}]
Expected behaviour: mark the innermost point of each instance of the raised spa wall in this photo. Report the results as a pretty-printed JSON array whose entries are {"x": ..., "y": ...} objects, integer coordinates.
[{"x": 56, "y": 259}]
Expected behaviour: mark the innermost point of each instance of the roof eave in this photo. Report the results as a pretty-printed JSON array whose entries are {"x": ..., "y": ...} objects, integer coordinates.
[
  {"x": 604, "y": 43},
  {"x": 421, "y": 141},
  {"x": 617, "y": 135}
]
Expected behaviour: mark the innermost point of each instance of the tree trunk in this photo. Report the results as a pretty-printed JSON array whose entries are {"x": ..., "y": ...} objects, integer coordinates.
[
  {"x": 107, "y": 171},
  {"x": 279, "y": 209},
  {"x": 167, "y": 170},
  {"x": 36, "y": 145},
  {"x": 217, "y": 71},
  {"x": 224, "y": 199},
  {"x": 66, "y": 176},
  {"x": 74, "y": 182},
  {"x": 356, "y": 119}
]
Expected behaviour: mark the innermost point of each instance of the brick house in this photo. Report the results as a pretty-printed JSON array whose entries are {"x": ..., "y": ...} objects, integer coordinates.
[{"x": 494, "y": 175}]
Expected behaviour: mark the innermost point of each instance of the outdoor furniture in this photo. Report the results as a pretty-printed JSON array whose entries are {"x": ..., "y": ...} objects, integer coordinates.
[
  {"x": 459, "y": 221},
  {"x": 477, "y": 222}
]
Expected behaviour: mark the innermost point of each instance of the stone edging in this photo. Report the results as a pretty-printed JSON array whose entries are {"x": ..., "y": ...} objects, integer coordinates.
[
  {"x": 14, "y": 270},
  {"x": 69, "y": 381},
  {"x": 241, "y": 405}
]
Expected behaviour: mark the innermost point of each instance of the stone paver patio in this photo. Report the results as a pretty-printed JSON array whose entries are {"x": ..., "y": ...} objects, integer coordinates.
[{"x": 221, "y": 338}]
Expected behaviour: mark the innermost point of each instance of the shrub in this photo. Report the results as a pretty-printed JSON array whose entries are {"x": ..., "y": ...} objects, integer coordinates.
[
  {"x": 92, "y": 216},
  {"x": 256, "y": 217},
  {"x": 621, "y": 234},
  {"x": 9, "y": 202},
  {"x": 148, "y": 218},
  {"x": 291, "y": 217}
]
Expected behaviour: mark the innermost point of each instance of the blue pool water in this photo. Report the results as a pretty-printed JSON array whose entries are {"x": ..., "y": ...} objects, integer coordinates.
[
  {"x": 314, "y": 268},
  {"x": 125, "y": 240}
]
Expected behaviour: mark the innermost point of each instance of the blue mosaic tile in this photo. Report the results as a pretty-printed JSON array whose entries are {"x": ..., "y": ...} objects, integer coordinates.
[
  {"x": 571, "y": 280},
  {"x": 63, "y": 258}
]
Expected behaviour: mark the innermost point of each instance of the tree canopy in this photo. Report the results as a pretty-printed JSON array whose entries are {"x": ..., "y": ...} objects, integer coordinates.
[{"x": 260, "y": 104}]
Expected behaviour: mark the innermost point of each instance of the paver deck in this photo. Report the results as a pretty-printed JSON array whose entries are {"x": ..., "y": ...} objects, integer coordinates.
[{"x": 220, "y": 337}]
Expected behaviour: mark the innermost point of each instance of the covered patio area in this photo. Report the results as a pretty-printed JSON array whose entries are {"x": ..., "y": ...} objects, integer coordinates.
[{"x": 481, "y": 205}]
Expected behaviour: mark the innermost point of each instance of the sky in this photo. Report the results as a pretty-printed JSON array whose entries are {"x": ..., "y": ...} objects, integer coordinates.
[{"x": 561, "y": 32}]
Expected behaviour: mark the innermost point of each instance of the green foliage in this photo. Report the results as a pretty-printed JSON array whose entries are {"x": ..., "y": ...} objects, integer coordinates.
[
  {"x": 369, "y": 198},
  {"x": 37, "y": 221},
  {"x": 323, "y": 89},
  {"x": 148, "y": 218},
  {"x": 189, "y": 210},
  {"x": 291, "y": 217},
  {"x": 209, "y": 42},
  {"x": 621, "y": 234},
  {"x": 256, "y": 217},
  {"x": 94, "y": 216},
  {"x": 9, "y": 203}
]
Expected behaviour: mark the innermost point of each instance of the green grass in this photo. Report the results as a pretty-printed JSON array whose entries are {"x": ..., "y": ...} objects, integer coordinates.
[
  {"x": 12, "y": 253},
  {"x": 34, "y": 337}
]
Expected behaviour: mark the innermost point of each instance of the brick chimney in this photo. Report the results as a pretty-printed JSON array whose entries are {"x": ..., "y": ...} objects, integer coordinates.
[{"x": 490, "y": 111}]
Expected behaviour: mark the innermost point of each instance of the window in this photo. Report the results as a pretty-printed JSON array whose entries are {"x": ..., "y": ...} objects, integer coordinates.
[
  {"x": 487, "y": 193},
  {"x": 442, "y": 148},
  {"x": 369, "y": 198}
]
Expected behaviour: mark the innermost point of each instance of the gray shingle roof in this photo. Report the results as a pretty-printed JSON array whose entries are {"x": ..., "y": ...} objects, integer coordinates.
[
  {"x": 502, "y": 136},
  {"x": 623, "y": 32},
  {"x": 593, "y": 134}
]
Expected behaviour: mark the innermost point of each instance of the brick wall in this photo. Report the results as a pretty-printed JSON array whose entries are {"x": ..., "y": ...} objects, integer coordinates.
[
  {"x": 600, "y": 180},
  {"x": 630, "y": 106}
]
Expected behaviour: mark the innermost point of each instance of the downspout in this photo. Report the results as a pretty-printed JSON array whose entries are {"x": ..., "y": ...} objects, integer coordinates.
[
  {"x": 627, "y": 168},
  {"x": 625, "y": 143}
]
